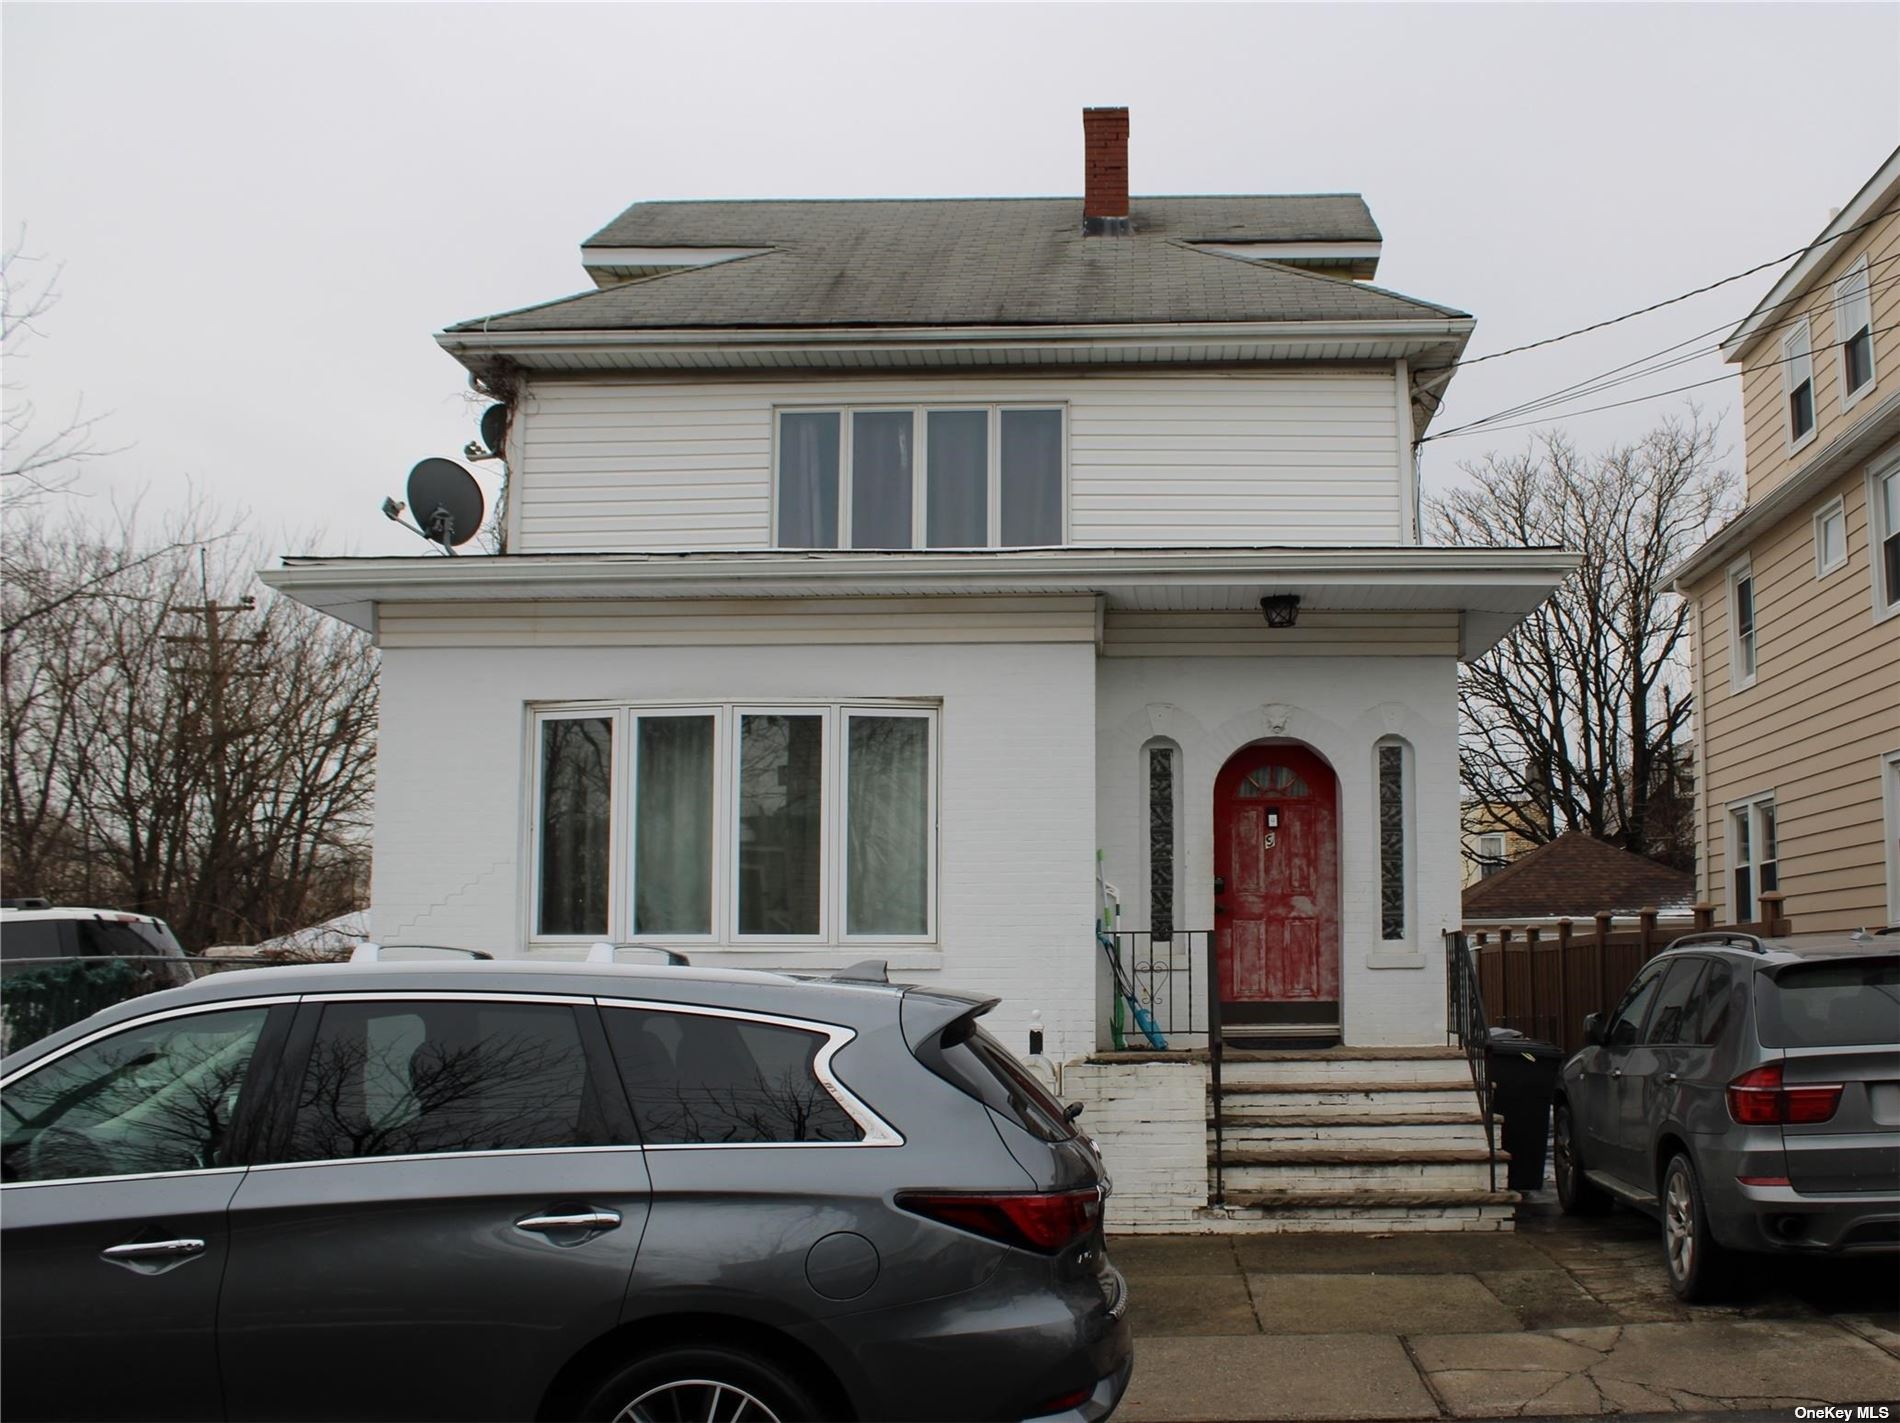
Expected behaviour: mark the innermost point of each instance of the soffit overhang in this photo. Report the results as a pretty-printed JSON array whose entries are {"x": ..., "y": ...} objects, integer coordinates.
[{"x": 1493, "y": 589}]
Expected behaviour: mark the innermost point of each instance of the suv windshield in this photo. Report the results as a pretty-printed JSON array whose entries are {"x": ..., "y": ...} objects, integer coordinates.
[{"x": 1835, "y": 1003}]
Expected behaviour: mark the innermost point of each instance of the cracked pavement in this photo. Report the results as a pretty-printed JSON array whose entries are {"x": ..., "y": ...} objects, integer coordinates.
[{"x": 1564, "y": 1318}]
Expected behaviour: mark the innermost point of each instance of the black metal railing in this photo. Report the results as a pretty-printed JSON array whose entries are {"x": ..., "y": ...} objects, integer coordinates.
[
  {"x": 1465, "y": 1021},
  {"x": 1217, "y": 1188},
  {"x": 1156, "y": 973}
]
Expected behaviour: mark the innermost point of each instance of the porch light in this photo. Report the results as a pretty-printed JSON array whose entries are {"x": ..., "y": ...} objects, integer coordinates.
[{"x": 1281, "y": 610}]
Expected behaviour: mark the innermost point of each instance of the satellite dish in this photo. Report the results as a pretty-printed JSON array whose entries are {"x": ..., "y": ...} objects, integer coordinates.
[
  {"x": 445, "y": 501},
  {"x": 494, "y": 427}
]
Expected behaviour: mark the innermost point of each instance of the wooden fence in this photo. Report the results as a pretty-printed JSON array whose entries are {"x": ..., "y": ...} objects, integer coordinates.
[{"x": 1543, "y": 979}]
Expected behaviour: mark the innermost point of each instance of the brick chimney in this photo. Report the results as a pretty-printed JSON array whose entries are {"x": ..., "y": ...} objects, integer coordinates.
[{"x": 1105, "y": 172}]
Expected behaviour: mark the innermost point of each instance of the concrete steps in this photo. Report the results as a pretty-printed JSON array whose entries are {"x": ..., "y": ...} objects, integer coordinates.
[{"x": 1354, "y": 1139}]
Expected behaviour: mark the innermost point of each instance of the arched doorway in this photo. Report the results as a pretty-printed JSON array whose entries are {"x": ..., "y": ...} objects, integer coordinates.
[{"x": 1276, "y": 900}]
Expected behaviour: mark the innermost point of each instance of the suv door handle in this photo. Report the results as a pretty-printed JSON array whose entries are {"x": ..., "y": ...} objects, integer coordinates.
[
  {"x": 576, "y": 1220},
  {"x": 1616, "y": 1072},
  {"x": 154, "y": 1250},
  {"x": 1672, "y": 1077}
]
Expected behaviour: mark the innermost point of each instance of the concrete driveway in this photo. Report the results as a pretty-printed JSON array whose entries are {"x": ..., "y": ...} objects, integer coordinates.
[{"x": 1563, "y": 1318}]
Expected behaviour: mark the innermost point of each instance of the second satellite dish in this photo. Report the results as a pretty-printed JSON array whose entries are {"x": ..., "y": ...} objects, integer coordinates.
[{"x": 445, "y": 501}]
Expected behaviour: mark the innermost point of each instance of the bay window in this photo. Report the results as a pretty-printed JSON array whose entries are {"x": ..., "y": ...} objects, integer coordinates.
[
  {"x": 803, "y": 824},
  {"x": 984, "y": 476}
]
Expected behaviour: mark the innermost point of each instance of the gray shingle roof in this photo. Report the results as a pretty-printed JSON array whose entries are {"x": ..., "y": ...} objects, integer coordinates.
[{"x": 974, "y": 262}]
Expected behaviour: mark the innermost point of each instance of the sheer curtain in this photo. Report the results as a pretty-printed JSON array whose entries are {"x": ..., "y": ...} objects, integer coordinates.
[
  {"x": 673, "y": 826},
  {"x": 808, "y": 480},
  {"x": 881, "y": 478},
  {"x": 887, "y": 831},
  {"x": 957, "y": 505}
]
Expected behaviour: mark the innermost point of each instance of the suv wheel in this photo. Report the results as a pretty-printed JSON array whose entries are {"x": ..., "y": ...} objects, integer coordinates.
[
  {"x": 1576, "y": 1193},
  {"x": 1694, "y": 1259},
  {"x": 704, "y": 1384}
]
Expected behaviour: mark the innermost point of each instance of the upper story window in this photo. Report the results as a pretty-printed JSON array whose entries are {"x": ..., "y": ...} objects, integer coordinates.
[
  {"x": 813, "y": 823},
  {"x": 1741, "y": 618},
  {"x": 1797, "y": 381},
  {"x": 1883, "y": 500},
  {"x": 1491, "y": 855},
  {"x": 1854, "y": 331},
  {"x": 984, "y": 476},
  {"x": 1830, "y": 537}
]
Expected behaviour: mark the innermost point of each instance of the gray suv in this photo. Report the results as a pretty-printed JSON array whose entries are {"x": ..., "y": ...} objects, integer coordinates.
[
  {"x": 533, "y": 1190},
  {"x": 1747, "y": 1093}
]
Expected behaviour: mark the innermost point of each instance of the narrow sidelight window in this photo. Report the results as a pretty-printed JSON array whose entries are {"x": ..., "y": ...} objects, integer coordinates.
[
  {"x": 1161, "y": 819},
  {"x": 1032, "y": 478},
  {"x": 887, "y": 825},
  {"x": 673, "y": 825},
  {"x": 1830, "y": 538},
  {"x": 1391, "y": 842},
  {"x": 1742, "y": 618},
  {"x": 808, "y": 480},
  {"x": 957, "y": 502},
  {"x": 576, "y": 810},
  {"x": 1854, "y": 331},
  {"x": 881, "y": 478},
  {"x": 781, "y": 815}
]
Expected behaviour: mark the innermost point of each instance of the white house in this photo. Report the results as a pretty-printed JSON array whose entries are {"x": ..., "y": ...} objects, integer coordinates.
[{"x": 872, "y": 566}]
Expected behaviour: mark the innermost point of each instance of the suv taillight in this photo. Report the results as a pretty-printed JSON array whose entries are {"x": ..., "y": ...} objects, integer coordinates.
[
  {"x": 1045, "y": 1221},
  {"x": 1757, "y": 1099}
]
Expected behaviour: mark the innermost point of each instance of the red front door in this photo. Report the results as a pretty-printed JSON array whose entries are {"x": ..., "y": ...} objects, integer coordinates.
[{"x": 1276, "y": 850}]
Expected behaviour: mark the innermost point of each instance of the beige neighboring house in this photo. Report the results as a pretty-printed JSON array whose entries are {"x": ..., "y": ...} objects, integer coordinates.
[
  {"x": 1797, "y": 600},
  {"x": 1487, "y": 841}
]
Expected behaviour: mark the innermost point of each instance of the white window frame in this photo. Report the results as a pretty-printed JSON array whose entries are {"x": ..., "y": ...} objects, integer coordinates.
[
  {"x": 1738, "y": 679},
  {"x": 1750, "y": 810},
  {"x": 1834, "y": 509},
  {"x": 1890, "y": 817},
  {"x": 1490, "y": 861},
  {"x": 920, "y": 462},
  {"x": 1798, "y": 334},
  {"x": 1846, "y": 297},
  {"x": 1878, "y": 533},
  {"x": 622, "y": 849}
]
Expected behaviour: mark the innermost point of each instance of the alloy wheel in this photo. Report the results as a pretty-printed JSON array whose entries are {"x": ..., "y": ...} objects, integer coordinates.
[
  {"x": 696, "y": 1401},
  {"x": 1679, "y": 1224}
]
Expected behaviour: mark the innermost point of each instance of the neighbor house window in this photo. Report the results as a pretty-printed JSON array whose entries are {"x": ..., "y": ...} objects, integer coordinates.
[
  {"x": 1830, "y": 538},
  {"x": 814, "y": 823},
  {"x": 1741, "y": 608},
  {"x": 1854, "y": 331},
  {"x": 1883, "y": 519},
  {"x": 1797, "y": 382},
  {"x": 984, "y": 476},
  {"x": 1752, "y": 852},
  {"x": 1491, "y": 857}
]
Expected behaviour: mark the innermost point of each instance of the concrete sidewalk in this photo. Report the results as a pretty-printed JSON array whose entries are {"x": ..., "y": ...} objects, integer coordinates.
[{"x": 1562, "y": 1318}]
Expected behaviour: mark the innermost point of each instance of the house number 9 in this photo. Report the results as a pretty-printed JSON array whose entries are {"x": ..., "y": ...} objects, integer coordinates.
[{"x": 1267, "y": 841}]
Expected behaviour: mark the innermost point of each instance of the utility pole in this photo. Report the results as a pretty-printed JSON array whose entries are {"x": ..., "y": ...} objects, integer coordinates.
[{"x": 217, "y": 670}]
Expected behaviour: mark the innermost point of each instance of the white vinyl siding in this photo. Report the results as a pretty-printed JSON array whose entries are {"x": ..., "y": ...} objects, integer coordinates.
[{"x": 1292, "y": 458}]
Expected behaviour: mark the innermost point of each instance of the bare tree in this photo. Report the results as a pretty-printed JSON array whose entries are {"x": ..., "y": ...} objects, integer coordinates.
[
  {"x": 36, "y": 459},
  {"x": 1579, "y": 719},
  {"x": 175, "y": 744}
]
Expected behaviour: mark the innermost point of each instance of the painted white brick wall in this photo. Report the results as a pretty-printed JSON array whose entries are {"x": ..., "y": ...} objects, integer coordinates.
[
  {"x": 1017, "y": 850},
  {"x": 1149, "y": 1120},
  {"x": 1392, "y": 992}
]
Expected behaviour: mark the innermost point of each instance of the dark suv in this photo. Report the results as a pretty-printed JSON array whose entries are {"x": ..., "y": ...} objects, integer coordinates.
[
  {"x": 1747, "y": 1093},
  {"x": 519, "y": 1190}
]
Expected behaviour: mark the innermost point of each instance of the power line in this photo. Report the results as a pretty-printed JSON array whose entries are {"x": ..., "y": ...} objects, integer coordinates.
[
  {"x": 1597, "y": 384},
  {"x": 1668, "y": 301},
  {"x": 1656, "y": 395}
]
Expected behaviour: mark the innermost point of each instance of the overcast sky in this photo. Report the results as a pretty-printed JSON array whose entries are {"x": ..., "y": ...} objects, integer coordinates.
[{"x": 265, "y": 212}]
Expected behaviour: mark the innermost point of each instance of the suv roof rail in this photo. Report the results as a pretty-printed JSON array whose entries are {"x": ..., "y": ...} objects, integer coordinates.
[
  {"x": 1730, "y": 938},
  {"x": 603, "y": 952},
  {"x": 31, "y": 901},
  {"x": 367, "y": 952}
]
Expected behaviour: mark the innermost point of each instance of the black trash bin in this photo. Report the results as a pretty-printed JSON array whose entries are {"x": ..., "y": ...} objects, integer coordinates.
[{"x": 1523, "y": 1075}]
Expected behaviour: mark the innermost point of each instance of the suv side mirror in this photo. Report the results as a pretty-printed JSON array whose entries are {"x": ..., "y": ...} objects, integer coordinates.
[{"x": 1593, "y": 1029}]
